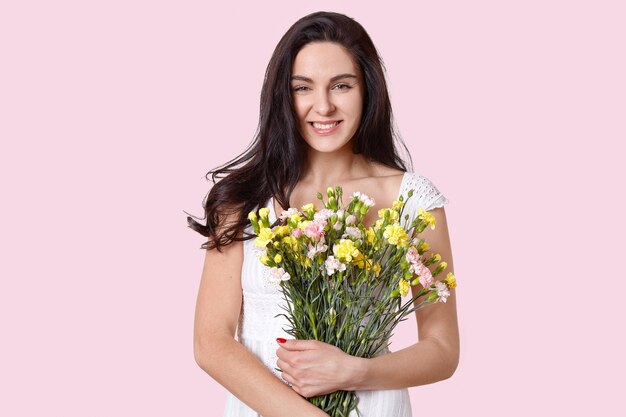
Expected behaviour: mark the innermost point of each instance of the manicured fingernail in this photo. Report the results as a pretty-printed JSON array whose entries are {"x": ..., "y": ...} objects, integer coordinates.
[{"x": 281, "y": 340}]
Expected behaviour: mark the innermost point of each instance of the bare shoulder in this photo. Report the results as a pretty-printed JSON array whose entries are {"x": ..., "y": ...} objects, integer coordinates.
[{"x": 380, "y": 170}]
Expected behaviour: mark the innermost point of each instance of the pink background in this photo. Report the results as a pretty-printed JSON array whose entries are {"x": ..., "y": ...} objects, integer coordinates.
[{"x": 112, "y": 111}]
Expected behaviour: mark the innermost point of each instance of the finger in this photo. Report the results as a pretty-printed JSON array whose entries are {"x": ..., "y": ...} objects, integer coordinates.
[
  {"x": 293, "y": 344},
  {"x": 284, "y": 366},
  {"x": 286, "y": 355},
  {"x": 289, "y": 379}
]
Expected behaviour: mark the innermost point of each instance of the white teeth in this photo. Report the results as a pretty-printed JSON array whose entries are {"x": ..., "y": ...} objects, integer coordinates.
[{"x": 324, "y": 126}]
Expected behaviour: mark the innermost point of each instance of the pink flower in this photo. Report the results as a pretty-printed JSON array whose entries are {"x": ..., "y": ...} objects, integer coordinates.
[
  {"x": 412, "y": 256},
  {"x": 425, "y": 276},
  {"x": 296, "y": 233},
  {"x": 315, "y": 229}
]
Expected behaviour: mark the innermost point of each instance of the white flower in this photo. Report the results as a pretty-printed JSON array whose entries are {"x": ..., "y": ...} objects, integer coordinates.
[
  {"x": 277, "y": 275},
  {"x": 333, "y": 265},
  {"x": 442, "y": 291},
  {"x": 351, "y": 219},
  {"x": 318, "y": 248},
  {"x": 353, "y": 232},
  {"x": 288, "y": 213},
  {"x": 323, "y": 214},
  {"x": 365, "y": 199},
  {"x": 337, "y": 226},
  {"x": 369, "y": 202},
  {"x": 340, "y": 213}
]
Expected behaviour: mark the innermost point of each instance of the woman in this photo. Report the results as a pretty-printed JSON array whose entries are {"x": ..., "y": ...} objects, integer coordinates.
[{"x": 325, "y": 121}]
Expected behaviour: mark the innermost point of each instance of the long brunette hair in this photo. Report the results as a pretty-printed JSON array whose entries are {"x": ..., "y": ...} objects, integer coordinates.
[{"x": 273, "y": 163}]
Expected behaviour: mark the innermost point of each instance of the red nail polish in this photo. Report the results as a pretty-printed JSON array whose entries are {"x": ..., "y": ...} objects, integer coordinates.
[{"x": 281, "y": 340}]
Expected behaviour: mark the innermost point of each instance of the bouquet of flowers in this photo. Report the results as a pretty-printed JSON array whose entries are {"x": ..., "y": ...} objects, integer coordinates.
[{"x": 344, "y": 283}]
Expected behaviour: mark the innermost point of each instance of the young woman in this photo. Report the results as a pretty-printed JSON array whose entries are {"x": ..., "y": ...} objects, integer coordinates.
[{"x": 325, "y": 121}]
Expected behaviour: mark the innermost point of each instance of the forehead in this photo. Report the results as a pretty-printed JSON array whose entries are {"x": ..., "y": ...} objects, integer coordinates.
[{"x": 323, "y": 60}]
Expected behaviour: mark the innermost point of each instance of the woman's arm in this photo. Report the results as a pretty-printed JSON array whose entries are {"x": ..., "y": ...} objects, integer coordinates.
[
  {"x": 316, "y": 368},
  {"x": 221, "y": 356}
]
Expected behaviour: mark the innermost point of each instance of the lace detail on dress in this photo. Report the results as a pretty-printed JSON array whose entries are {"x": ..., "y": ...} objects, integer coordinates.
[{"x": 425, "y": 194}]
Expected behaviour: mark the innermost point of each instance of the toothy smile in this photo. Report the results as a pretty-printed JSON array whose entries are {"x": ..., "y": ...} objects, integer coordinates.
[{"x": 324, "y": 126}]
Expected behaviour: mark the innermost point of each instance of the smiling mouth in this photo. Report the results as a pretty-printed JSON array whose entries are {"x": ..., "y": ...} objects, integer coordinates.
[{"x": 324, "y": 126}]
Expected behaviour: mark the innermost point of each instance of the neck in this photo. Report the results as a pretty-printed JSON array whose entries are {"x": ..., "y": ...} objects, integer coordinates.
[{"x": 330, "y": 169}]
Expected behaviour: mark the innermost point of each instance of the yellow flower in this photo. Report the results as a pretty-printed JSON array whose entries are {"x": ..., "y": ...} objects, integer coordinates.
[
  {"x": 370, "y": 235},
  {"x": 278, "y": 258},
  {"x": 397, "y": 205},
  {"x": 393, "y": 215},
  {"x": 252, "y": 216},
  {"x": 281, "y": 231},
  {"x": 395, "y": 235},
  {"x": 264, "y": 212},
  {"x": 428, "y": 218},
  {"x": 303, "y": 225},
  {"x": 361, "y": 262},
  {"x": 345, "y": 250},
  {"x": 450, "y": 280},
  {"x": 404, "y": 287},
  {"x": 264, "y": 237},
  {"x": 292, "y": 241},
  {"x": 295, "y": 217},
  {"x": 265, "y": 260},
  {"x": 379, "y": 224},
  {"x": 423, "y": 247},
  {"x": 308, "y": 207}
]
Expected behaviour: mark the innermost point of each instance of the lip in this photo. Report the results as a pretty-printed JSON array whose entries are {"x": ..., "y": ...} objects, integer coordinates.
[{"x": 325, "y": 132}]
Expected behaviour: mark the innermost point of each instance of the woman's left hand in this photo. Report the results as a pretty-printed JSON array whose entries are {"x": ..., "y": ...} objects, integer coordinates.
[{"x": 316, "y": 368}]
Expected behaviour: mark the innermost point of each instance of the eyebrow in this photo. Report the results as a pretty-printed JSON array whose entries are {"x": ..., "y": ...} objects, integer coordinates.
[{"x": 333, "y": 79}]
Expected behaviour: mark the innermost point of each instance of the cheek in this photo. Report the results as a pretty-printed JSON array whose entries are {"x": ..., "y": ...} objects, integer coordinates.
[
  {"x": 354, "y": 105},
  {"x": 299, "y": 104}
]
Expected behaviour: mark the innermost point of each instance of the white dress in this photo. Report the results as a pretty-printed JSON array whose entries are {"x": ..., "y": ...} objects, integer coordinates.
[{"x": 258, "y": 327}]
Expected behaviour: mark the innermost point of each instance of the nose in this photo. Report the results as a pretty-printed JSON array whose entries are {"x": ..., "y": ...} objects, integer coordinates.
[{"x": 323, "y": 103}]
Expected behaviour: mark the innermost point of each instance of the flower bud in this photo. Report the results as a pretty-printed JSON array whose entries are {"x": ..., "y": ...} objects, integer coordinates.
[
  {"x": 264, "y": 212},
  {"x": 439, "y": 268},
  {"x": 265, "y": 260}
]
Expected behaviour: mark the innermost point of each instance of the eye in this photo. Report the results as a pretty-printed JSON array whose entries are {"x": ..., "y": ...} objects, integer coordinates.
[
  {"x": 342, "y": 86},
  {"x": 300, "y": 88}
]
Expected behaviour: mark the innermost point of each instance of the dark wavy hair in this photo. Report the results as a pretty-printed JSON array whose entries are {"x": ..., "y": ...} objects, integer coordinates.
[{"x": 273, "y": 163}]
